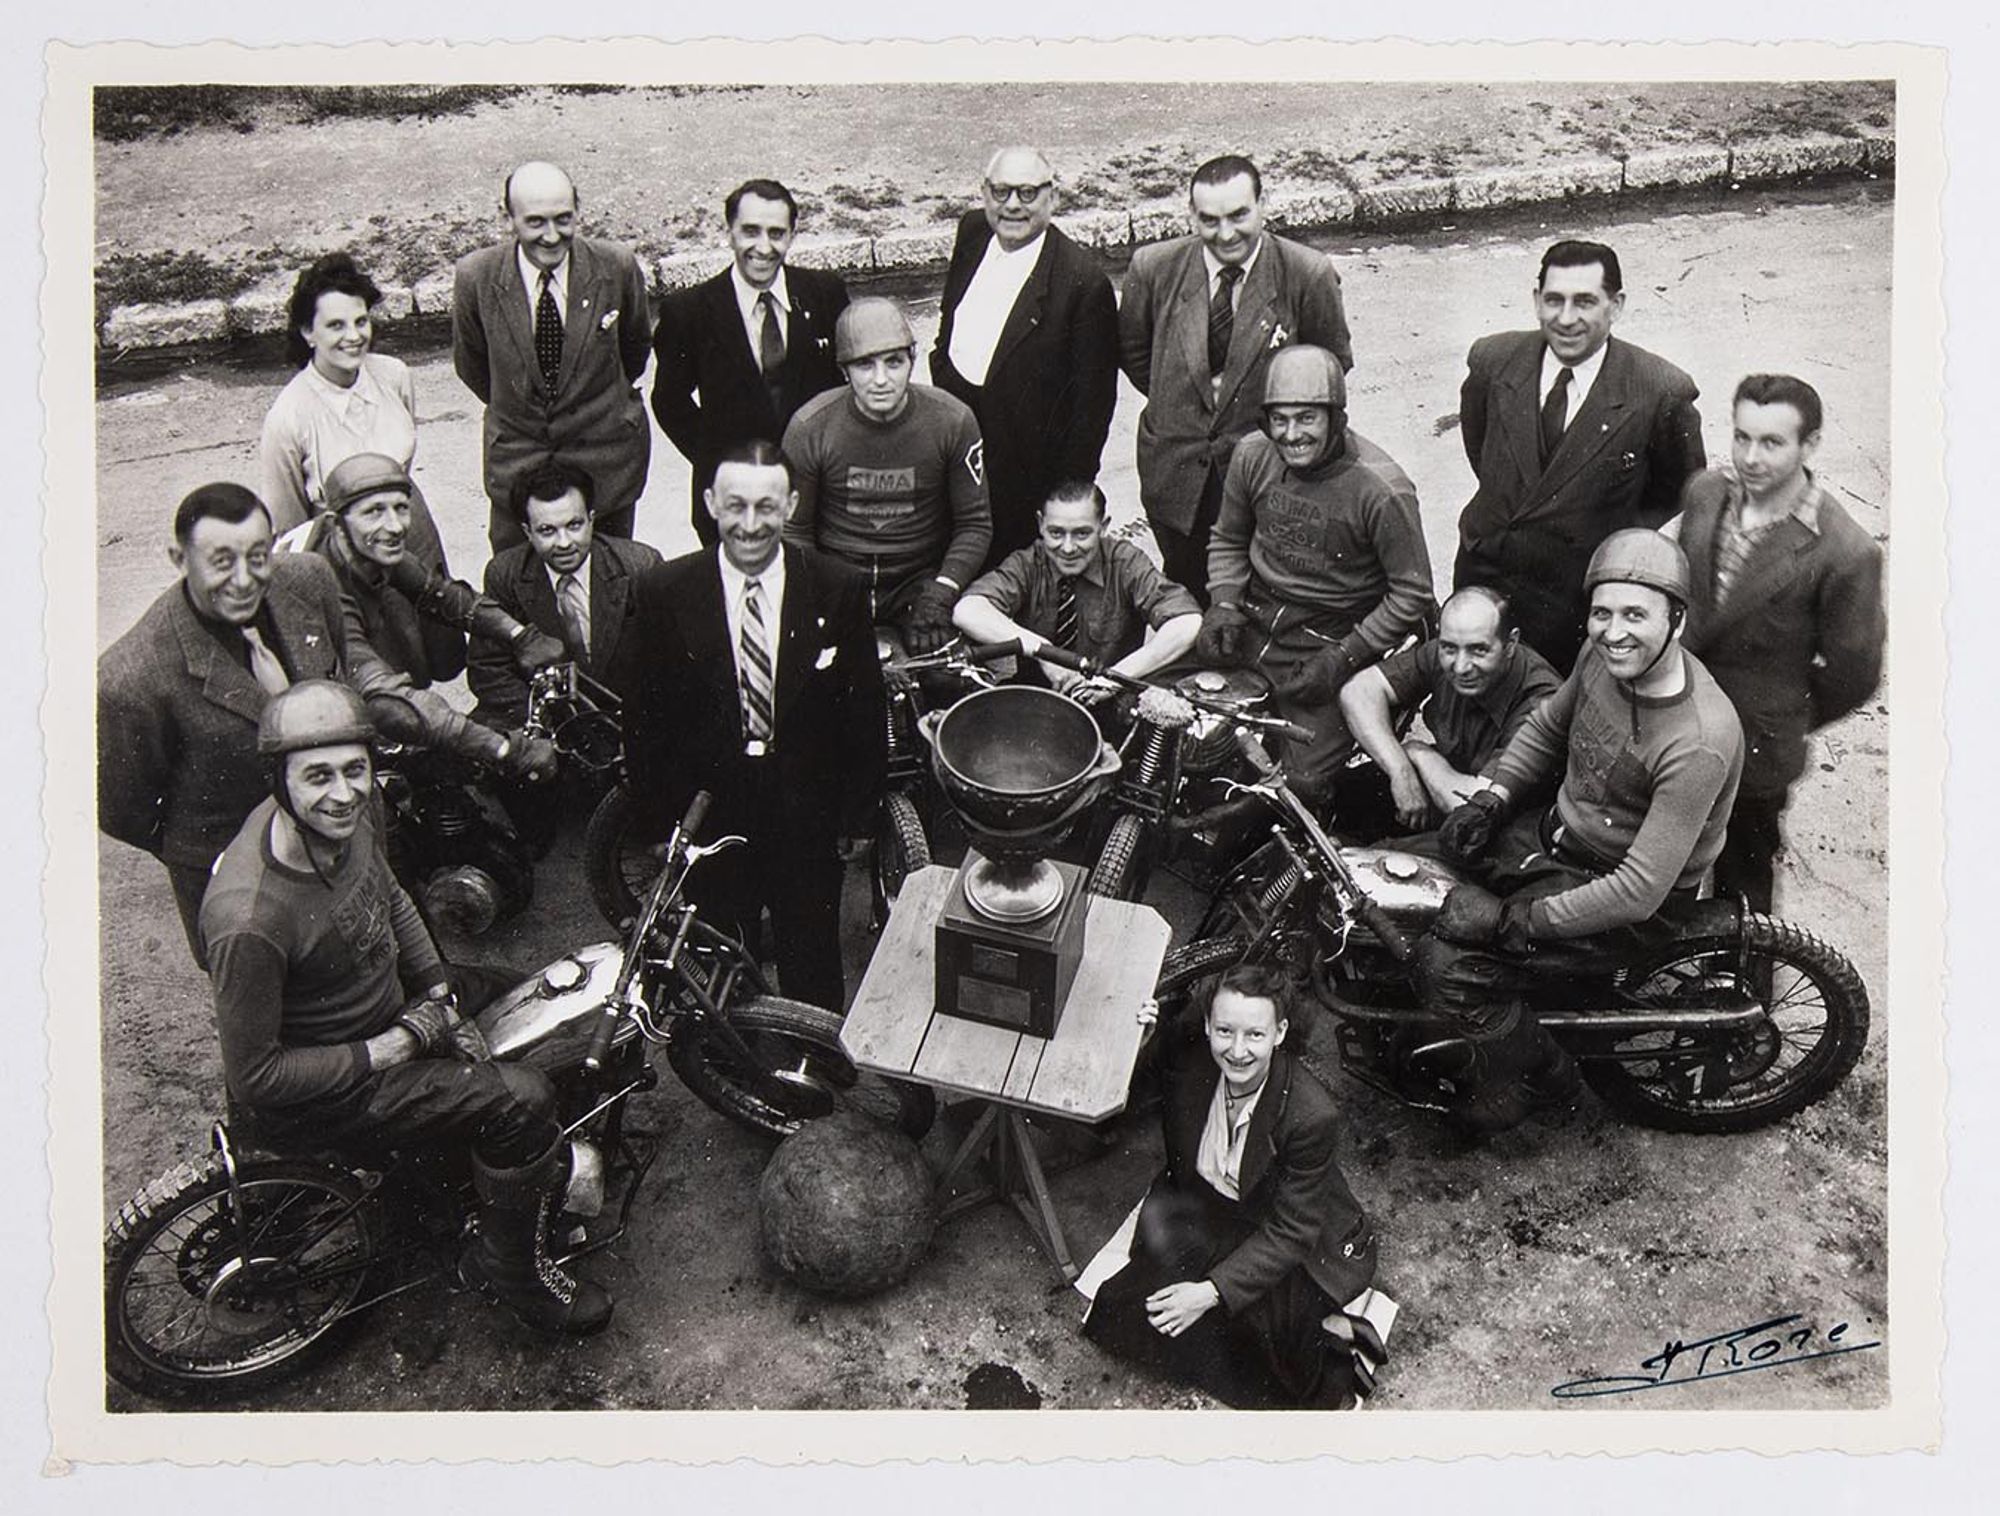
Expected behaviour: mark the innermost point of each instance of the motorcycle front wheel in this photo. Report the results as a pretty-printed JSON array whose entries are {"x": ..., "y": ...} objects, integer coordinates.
[
  {"x": 618, "y": 868},
  {"x": 901, "y": 848},
  {"x": 796, "y": 1071},
  {"x": 202, "y": 1297},
  {"x": 1814, "y": 1028},
  {"x": 1120, "y": 872}
]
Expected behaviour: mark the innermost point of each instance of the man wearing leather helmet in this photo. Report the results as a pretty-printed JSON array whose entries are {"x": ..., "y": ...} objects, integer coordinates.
[
  {"x": 891, "y": 477},
  {"x": 1651, "y": 752},
  {"x": 1317, "y": 566},
  {"x": 315, "y": 953},
  {"x": 407, "y": 619}
]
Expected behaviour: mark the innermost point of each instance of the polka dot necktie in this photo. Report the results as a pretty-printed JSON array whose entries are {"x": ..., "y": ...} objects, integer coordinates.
[{"x": 548, "y": 333}]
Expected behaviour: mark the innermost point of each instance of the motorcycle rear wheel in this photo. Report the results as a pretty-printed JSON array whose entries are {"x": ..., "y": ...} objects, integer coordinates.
[
  {"x": 618, "y": 868},
  {"x": 1815, "y": 1028},
  {"x": 799, "y": 1072},
  {"x": 185, "y": 1318}
]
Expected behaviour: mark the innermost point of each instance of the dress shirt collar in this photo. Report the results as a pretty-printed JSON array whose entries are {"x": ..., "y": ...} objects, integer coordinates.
[
  {"x": 747, "y": 293},
  {"x": 1219, "y": 1159},
  {"x": 363, "y": 388},
  {"x": 770, "y": 583},
  {"x": 1213, "y": 265},
  {"x": 1581, "y": 375},
  {"x": 1094, "y": 572},
  {"x": 531, "y": 281},
  {"x": 581, "y": 575}
]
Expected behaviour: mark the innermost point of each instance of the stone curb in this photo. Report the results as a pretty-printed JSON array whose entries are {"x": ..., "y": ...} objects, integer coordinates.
[{"x": 260, "y": 309}]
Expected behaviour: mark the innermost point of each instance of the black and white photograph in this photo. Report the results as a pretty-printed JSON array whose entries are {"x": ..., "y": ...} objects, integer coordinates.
[{"x": 795, "y": 729}]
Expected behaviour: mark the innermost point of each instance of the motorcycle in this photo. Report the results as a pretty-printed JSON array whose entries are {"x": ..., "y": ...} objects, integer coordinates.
[
  {"x": 245, "y": 1265},
  {"x": 1732, "y": 1022}
]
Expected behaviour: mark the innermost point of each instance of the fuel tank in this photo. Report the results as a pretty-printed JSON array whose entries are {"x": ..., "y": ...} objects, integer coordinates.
[
  {"x": 1409, "y": 888},
  {"x": 547, "y": 1021}
]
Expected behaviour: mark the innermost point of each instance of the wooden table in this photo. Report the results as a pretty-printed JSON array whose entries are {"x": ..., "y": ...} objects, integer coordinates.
[{"x": 1083, "y": 1073}]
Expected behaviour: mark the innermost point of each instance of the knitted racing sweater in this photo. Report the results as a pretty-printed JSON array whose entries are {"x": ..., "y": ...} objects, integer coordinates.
[{"x": 1648, "y": 787}]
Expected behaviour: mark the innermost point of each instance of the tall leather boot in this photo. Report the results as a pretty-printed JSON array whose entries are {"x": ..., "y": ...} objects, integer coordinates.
[
  {"x": 1507, "y": 1045},
  {"x": 510, "y": 1258}
]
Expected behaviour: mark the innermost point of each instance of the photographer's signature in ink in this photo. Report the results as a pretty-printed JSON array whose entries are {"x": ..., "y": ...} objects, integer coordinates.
[{"x": 1774, "y": 1344}]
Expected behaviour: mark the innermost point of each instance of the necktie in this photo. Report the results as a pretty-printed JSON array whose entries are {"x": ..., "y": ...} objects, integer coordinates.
[
  {"x": 1555, "y": 412},
  {"x": 1222, "y": 318},
  {"x": 1065, "y": 613},
  {"x": 548, "y": 333},
  {"x": 575, "y": 606},
  {"x": 264, "y": 665},
  {"x": 770, "y": 349},
  {"x": 753, "y": 666}
]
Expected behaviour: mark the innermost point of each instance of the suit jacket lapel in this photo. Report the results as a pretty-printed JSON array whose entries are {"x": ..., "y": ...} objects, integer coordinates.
[
  {"x": 1517, "y": 409},
  {"x": 799, "y": 623},
  {"x": 511, "y": 297},
  {"x": 1773, "y": 563},
  {"x": 1254, "y": 323},
  {"x": 223, "y": 681},
  {"x": 1591, "y": 427},
  {"x": 609, "y": 588},
  {"x": 583, "y": 310},
  {"x": 1258, "y": 1144},
  {"x": 1028, "y": 305},
  {"x": 307, "y": 641},
  {"x": 1190, "y": 313}
]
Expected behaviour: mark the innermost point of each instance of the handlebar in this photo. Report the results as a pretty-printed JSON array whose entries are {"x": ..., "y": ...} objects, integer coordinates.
[
  {"x": 1076, "y": 662},
  {"x": 616, "y": 1002}
]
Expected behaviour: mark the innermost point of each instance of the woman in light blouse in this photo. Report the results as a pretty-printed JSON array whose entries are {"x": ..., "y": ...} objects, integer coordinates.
[{"x": 345, "y": 399}]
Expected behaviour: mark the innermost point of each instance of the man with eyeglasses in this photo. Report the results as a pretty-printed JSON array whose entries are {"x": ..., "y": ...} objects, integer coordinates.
[
  {"x": 1028, "y": 338},
  {"x": 1201, "y": 318}
]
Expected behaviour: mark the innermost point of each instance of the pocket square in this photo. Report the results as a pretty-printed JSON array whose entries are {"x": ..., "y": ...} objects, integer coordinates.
[{"x": 826, "y": 657}]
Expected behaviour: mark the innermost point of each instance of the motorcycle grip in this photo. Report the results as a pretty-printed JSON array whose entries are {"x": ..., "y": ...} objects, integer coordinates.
[
  {"x": 1292, "y": 730},
  {"x": 697, "y": 813},
  {"x": 600, "y": 1035},
  {"x": 1251, "y": 748},
  {"x": 993, "y": 652},
  {"x": 1386, "y": 931},
  {"x": 1062, "y": 657}
]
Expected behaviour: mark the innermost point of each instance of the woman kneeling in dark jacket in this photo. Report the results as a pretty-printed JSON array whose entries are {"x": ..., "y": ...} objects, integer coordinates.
[{"x": 1250, "y": 1238}]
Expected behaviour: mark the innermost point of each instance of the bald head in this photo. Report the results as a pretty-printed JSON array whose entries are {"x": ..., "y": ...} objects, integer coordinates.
[
  {"x": 540, "y": 202},
  {"x": 1019, "y": 194}
]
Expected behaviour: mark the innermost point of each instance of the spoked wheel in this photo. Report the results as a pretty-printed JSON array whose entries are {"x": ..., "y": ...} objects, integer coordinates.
[
  {"x": 796, "y": 1071},
  {"x": 203, "y": 1297},
  {"x": 1814, "y": 1027},
  {"x": 619, "y": 868},
  {"x": 901, "y": 848}
]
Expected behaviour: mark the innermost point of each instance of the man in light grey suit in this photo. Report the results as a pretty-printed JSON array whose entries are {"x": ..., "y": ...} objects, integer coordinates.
[
  {"x": 1200, "y": 319},
  {"x": 551, "y": 331}
]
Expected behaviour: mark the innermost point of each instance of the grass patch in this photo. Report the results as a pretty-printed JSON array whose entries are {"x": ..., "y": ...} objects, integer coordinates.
[{"x": 140, "y": 278}]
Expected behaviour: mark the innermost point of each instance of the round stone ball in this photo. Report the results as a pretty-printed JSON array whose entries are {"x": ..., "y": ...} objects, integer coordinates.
[{"x": 846, "y": 1206}]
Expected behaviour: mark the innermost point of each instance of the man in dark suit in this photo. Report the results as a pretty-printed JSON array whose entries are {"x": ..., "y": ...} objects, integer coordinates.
[
  {"x": 1028, "y": 338},
  {"x": 755, "y": 677},
  {"x": 1200, "y": 319},
  {"x": 740, "y": 353},
  {"x": 564, "y": 580},
  {"x": 550, "y": 330},
  {"x": 178, "y": 696},
  {"x": 1573, "y": 436},
  {"x": 1786, "y": 610}
]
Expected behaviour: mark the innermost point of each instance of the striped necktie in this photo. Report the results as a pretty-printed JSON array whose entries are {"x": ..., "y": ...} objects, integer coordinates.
[
  {"x": 753, "y": 666},
  {"x": 1222, "y": 318},
  {"x": 1065, "y": 612},
  {"x": 575, "y": 607}
]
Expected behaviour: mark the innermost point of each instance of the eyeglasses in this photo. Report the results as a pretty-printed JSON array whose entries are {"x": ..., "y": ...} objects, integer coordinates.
[{"x": 1027, "y": 194}]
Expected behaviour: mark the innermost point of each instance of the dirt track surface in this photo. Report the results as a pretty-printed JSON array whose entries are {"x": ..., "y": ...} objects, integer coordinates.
[{"x": 1554, "y": 1252}]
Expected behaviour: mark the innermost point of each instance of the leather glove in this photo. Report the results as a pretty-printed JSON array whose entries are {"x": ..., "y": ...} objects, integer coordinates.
[
  {"x": 430, "y": 1021},
  {"x": 530, "y": 758},
  {"x": 535, "y": 650},
  {"x": 465, "y": 1042},
  {"x": 1467, "y": 830},
  {"x": 927, "y": 624},
  {"x": 1317, "y": 681},
  {"x": 1220, "y": 639},
  {"x": 1476, "y": 917}
]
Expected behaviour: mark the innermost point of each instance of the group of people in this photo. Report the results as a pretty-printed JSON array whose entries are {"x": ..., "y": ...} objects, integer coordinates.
[{"x": 1616, "y": 695}]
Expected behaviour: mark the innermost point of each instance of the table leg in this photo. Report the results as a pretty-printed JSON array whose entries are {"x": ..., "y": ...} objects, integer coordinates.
[
  {"x": 1046, "y": 1225},
  {"x": 984, "y": 1137}
]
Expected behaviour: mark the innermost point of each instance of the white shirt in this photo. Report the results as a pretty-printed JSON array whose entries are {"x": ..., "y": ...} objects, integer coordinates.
[
  {"x": 1581, "y": 377},
  {"x": 582, "y": 577},
  {"x": 531, "y": 281},
  {"x": 771, "y": 591},
  {"x": 747, "y": 296},
  {"x": 988, "y": 301},
  {"x": 1219, "y": 1158}
]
